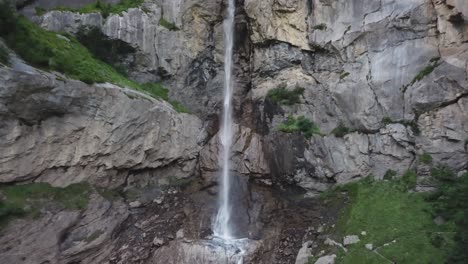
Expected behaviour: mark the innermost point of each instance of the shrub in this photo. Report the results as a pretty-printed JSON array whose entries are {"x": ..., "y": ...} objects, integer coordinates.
[
  {"x": 341, "y": 130},
  {"x": 433, "y": 63},
  {"x": 390, "y": 174},
  {"x": 301, "y": 124},
  {"x": 425, "y": 158},
  {"x": 283, "y": 96},
  {"x": 408, "y": 181},
  {"x": 171, "y": 26}
]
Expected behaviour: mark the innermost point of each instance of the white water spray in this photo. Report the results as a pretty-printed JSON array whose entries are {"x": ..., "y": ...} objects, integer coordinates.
[{"x": 222, "y": 226}]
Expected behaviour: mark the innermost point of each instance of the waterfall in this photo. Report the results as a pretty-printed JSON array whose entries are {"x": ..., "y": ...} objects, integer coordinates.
[{"x": 222, "y": 226}]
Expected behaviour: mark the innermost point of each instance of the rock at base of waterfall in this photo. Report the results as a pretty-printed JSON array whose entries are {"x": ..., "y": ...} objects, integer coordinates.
[
  {"x": 304, "y": 253},
  {"x": 349, "y": 240},
  {"x": 326, "y": 259},
  {"x": 205, "y": 252}
]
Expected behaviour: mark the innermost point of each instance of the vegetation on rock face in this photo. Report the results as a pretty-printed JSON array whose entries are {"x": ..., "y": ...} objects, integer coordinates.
[
  {"x": 171, "y": 26},
  {"x": 341, "y": 130},
  {"x": 390, "y": 175},
  {"x": 65, "y": 54},
  {"x": 285, "y": 97},
  {"x": 104, "y": 8},
  {"x": 103, "y": 48},
  {"x": 300, "y": 124},
  {"x": 425, "y": 158},
  {"x": 434, "y": 62},
  {"x": 344, "y": 75},
  {"x": 29, "y": 199}
]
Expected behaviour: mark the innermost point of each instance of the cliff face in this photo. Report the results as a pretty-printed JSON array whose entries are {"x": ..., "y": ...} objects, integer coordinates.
[{"x": 393, "y": 75}]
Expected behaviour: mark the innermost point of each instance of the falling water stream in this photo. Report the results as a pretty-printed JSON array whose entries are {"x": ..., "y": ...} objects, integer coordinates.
[
  {"x": 223, "y": 225},
  {"x": 222, "y": 228}
]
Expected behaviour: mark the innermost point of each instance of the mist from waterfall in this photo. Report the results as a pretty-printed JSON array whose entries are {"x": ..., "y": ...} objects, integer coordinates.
[{"x": 222, "y": 225}]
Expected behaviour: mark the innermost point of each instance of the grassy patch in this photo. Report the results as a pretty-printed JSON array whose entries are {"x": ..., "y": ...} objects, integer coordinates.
[
  {"x": 341, "y": 130},
  {"x": 388, "y": 212},
  {"x": 433, "y": 63},
  {"x": 300, "y": 124},
  {"x": 425, "y": 158},
  {"x": 285, "y": 97},
  {"x": 103, "y": 8},
  {"x": 171, "y": 26},
  {"x": 65, "y": 54},
  {"x": 28, "y": 199}
]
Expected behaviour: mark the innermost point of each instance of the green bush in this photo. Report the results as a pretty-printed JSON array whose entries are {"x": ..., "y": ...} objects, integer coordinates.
[
  {"x": 433, "y": 63},
  {"x": 390, "y": 175},
  {"x": 283, "y": 96},
  {"x": 341, "y": 130},
  {"x": 171, "y": 26},
  {"x": 425, "y": 158},
  {"x": 301, "y": 124},
  {"x": 408, "y": 181}
]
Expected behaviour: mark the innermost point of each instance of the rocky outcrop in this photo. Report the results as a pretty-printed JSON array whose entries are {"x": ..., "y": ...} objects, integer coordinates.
[
  {"x": 62, "y": 132},
  {"x": 64, "y": 236}
]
